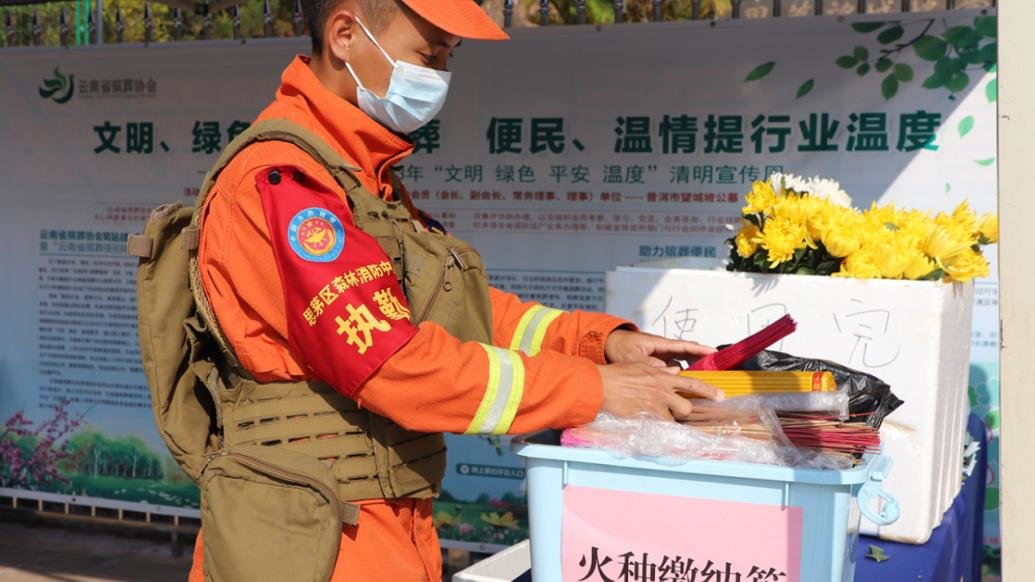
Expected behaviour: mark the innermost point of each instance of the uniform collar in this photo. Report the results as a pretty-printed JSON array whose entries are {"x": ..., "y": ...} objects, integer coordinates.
[{"x": 362, "y": 140}]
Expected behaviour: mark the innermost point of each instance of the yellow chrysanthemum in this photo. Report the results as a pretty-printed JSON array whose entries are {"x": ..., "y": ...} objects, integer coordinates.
[
  {"x": 747, "y": 239},
  {"x": 841, "y": 239},
  {"x": 892, "y": 256},
  {"x": 860, "y": 265},
  {"x": 780, "y": 238},
  {"x": 945, "y": 241},
  {"x": 793, "y": 208},
  {"x": 966, "y": 266},
  {"x": 918, "y": 266},
  {"x": 989, "y": 229},
  {"x": 965, "y": 218},
  {"x": 760, "y": 199}
]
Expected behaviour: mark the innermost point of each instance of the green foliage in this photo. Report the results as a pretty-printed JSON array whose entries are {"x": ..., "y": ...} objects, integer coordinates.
[
  {"x": 806, "y": 88},
  {"x": 966, "y": 124},
  {"x": 96, "y": 455},
  {"x": 986, "y": 26},
  {"x": 930, "y": 48},
  {"x": 846, "y": 62},
  {"x": 992, "y": 91},
  {"x": 760, "y": 71},
  {"x": 162, "y": 17},
  {"x": 889, "y": 87},
  {"x": 891, "y": 34},
  {"x": 904, "y": 72},
  {"x": 883, "y": 64},
  {"x": 865, "y": 27}
]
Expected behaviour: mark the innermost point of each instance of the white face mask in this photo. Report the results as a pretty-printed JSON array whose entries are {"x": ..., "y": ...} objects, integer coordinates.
[{"x": 414, "y": 97}]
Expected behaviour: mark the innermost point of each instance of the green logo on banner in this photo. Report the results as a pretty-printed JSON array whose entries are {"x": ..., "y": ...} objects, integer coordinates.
[{"x": 58, "y": 88}]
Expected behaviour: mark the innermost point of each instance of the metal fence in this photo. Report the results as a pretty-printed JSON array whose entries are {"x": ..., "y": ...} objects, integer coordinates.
[{"x": 83, "y": 22}]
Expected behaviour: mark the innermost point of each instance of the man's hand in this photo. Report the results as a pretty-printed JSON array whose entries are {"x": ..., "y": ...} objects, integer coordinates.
[
  {"x": 632, "y": 388},
  {"x": 625, "y": 347}
]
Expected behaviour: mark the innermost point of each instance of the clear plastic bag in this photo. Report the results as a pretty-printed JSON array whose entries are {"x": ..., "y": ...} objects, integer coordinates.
[{"x": 715, "y": 432}]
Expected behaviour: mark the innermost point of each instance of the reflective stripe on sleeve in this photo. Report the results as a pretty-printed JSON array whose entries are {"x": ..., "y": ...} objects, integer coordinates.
[
  {"x": 503, "y": 392},
  {"x": 528, "y": 337}
]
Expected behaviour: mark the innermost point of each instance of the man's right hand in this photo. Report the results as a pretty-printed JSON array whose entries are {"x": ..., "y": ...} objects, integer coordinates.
[{"x": 630, "y": 389}]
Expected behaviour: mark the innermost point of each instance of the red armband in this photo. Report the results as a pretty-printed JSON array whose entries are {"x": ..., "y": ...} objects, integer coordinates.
[{"x": 346, "y": 312}]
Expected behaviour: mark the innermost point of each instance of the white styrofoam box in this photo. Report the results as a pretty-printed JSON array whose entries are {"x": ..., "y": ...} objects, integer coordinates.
[{"x": 914, "y": 335}]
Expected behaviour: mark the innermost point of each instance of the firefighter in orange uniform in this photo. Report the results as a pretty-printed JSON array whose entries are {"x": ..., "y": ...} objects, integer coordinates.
[{"x": 292, "y": 277}]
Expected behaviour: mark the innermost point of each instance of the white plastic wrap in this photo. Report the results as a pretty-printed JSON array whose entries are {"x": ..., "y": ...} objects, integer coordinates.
[{"x": 670, "y": 442}]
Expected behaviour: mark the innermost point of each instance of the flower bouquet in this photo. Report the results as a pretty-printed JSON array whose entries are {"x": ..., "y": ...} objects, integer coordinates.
[{"x": 793, "y": 225}]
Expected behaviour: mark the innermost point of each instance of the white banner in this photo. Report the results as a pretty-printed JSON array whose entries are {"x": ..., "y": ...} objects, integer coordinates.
[{"x": 559, "y": 154}]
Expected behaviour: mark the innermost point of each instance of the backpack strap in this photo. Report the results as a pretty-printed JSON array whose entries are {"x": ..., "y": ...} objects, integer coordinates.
[{"x": 265, "y": 130}]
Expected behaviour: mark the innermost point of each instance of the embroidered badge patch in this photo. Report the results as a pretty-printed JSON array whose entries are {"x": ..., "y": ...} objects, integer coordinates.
[{"x": 316, "y": 235}]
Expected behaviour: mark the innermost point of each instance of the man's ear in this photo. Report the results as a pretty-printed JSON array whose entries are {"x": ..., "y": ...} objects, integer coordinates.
[{"x": 339, "y": 33}]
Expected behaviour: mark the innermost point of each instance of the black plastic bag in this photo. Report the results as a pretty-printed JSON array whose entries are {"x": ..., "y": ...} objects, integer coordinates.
[{"x": 868, "y": 396}]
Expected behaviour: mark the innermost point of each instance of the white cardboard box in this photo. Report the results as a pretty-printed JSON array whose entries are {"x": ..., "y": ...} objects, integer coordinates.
[{"x": 914, "y": 335}]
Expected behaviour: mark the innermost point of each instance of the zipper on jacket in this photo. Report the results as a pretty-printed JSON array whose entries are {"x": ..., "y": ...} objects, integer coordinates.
[{"x": 286, "y": 475}]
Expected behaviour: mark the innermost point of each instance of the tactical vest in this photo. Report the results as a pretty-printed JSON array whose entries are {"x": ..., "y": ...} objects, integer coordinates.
[{"x": 226, "y": 429}]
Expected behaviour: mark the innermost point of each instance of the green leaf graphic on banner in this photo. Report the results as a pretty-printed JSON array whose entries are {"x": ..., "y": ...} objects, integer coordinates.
[
  {"x": 904, "y": 72},
  {"x": 846, "y": 62},
  {"x": 891, "y": 35},
  {"x": 989, "y": 53},
  {"x": 948, "y": 187},
  {"x": 986, "y": 26},
  {"x": 962, "y": 37},
  {"x": 957, "y": 82},
  {"x": 805, "y": 88},
  {"x": 865, "y": 27},
  {"x": 930, "y": 48},
  {"x": 934, "y": 81},
  {"x": 861, "y": 53},
  {"x": 883, "y": 64},
  {"x": 889, "y": 87},
  {"x": 863, "y": 69},
  {"x": 992, "y": 68},
  {"x": 966, "y": 124},
  {"x": 985, "y": 162},
  {"x": 992, "y": 91},
  {"x": 760, "y": 71}
]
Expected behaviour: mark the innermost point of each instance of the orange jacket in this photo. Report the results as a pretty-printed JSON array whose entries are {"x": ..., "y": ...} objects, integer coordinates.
[{"x": 238, "y": 271}]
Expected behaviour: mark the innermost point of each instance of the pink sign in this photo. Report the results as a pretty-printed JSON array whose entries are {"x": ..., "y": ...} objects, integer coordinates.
[{"x": 616, "y": 536}]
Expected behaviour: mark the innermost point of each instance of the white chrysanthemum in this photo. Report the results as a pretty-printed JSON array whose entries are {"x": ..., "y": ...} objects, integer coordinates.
[
  {"x": 831, "y": 190},
  {"x": 816, "y": 186}
]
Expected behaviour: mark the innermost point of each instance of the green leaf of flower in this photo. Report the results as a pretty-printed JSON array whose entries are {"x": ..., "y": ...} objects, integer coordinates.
[
  {"x": 883, "y": 64},
  {"x": 904, "y": 72},
  {"x": 863, "y": 69},
  {"x": 992, "y": 91},
  {"x": 846, "y": 62},
  {"x": 966, "y": 124},
  {"x": 991, "y": 68},
  {"x": 891, "y": 35},
  {"x": 985, "y": 162},
  {"x": 760, "y": 71},
  {"x": 948, "y": 187},
  {"x": 930, "y": 48},
  {"x": 889, "y": 87},
  {"x": 861, "y": 53},
  {"x": 986, "y": 26},
  {"x": 865, "y": 27},
  {"x": 805, "y": 88},
  {"x": 957, "y": 82}
]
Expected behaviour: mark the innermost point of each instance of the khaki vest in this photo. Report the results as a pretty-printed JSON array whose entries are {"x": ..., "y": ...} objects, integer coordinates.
[{"x": 444, "y": 281}]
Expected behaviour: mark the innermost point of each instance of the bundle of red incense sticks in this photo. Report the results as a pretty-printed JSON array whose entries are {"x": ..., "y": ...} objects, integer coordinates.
[
  {"x": 733, "y": 355},
  {"x": 829, "y": 434}
]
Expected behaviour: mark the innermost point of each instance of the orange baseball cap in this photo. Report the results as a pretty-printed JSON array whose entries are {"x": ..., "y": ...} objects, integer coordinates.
[{"x": 462, "y": 18}]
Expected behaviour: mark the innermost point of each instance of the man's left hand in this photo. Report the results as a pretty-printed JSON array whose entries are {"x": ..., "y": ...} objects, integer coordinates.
[{"x": 625, "y": 346}]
